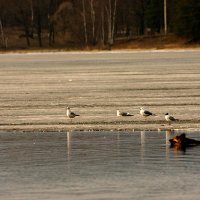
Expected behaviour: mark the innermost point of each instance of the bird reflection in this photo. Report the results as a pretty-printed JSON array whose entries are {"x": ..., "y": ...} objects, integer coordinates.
[
  {"x": 68, "y": 145},
  {"x": 142, "y": 140},
  {"x": 168, "y": 135}
]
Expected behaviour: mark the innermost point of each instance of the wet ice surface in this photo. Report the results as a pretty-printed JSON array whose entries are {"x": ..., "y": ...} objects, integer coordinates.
[
  {"x": 97, "y": 165},
  {"x": 36, "y": 88}
]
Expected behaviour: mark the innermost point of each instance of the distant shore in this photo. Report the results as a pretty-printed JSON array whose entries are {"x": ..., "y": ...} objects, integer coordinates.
[
  {"x": 114, "y": 51},
  {"x": 160, "y": 42}
]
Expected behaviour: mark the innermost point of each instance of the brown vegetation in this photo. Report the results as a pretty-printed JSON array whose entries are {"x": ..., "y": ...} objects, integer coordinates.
[
  {"x": 17, "y": 42},
  {"x": 97, "y": 24},
  {"x": 156, "y": 42}
]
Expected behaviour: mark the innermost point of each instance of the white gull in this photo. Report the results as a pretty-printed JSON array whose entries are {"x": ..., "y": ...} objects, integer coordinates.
[
  {"x": 71, "y": 114},
  {"x": 146, "y": 113},
  {"x": 170, "y": 118}
]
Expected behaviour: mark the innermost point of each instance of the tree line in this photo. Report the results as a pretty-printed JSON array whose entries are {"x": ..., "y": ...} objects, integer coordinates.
[{"x": 86, "y": 23}]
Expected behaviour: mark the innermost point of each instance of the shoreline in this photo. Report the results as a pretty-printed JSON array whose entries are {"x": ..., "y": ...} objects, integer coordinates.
[
  {"x": 101, "y": 128},
  {"x": 96, "y": 51}
]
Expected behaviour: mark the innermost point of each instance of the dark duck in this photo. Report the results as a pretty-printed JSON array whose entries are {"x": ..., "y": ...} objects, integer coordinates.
[{"x": 182, "y": 141}]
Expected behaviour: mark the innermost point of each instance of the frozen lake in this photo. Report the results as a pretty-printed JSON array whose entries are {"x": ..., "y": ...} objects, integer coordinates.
[
  {"x": 97, "y": 166},
  {"x": 36, "y": 88}
]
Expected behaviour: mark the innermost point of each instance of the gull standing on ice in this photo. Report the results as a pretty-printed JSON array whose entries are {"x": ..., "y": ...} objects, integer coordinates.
[
  {"x": 146, "y": 113},
  {"x": 70, "y": 114},
  {"x": 169, "y": 118},
  {"x": 124, "y": 114}
]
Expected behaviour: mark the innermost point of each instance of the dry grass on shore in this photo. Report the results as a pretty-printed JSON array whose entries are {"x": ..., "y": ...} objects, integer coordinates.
[{"x": 18, "y": 44}]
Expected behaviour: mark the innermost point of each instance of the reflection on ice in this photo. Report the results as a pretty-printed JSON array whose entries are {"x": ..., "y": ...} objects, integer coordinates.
[
  {"x": 142, "y": 141},
  {"x": 68, "y": 145}
]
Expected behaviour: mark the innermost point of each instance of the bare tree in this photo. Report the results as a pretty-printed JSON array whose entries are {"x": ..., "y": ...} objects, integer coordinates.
[
  {"x": 2, "y": 35},
  {"x": 23, "y": 15},
  {"x": 32, "y": 18},
  {"x": 51, "y": 29},
  {"x": 111, "y": 13},
  {"x": 39, "y": 22},
  {"x": 85, "y": 23},
  {"x": 102, "y": 27},
  {"x": 93, "y": 21},
  {"x": 113, "y": 19}
]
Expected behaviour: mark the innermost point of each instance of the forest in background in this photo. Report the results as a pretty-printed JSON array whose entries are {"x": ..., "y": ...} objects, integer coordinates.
[{"x": 93, "y": 23}]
